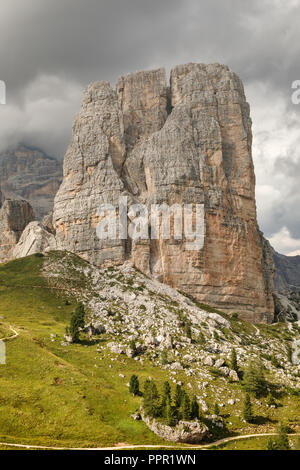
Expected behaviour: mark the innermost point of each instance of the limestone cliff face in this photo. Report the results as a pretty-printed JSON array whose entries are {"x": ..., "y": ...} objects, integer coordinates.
[
  {"x": 189, "y": 142},
  {"x": 30, "y": 174}
]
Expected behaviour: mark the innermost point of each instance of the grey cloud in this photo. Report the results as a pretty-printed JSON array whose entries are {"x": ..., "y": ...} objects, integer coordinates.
[{"x": 71, "y": 43}]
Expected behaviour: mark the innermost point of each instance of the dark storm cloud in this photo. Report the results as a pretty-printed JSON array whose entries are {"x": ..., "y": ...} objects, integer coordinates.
[
  {"x": 50, "y": 50},
  {"x": 90, "y": 39}
]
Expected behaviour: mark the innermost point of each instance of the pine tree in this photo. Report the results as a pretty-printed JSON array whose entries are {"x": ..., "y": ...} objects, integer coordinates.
[
  {"x": 178, "y": 396},
  {"x": 166, "y": 397},
  {"x": 167, "y": 390},
  {"x": 233, "y": 361},
  {"x": 247, "y": 412},
  {"x": 194, "y": 408},
  {"x": 170, "y": 414},
  {"x": 282, "y": 440},
  {"x": 217, "y": 409},
  {"x": 186, "y": 411},
  {"x": 77, "y": 322},
  {"x": 164, "y": 357},
  {"x": 134, "y": 386},
  {"x": 151, "y": 399},
  {"x": 254, "y": 380}
]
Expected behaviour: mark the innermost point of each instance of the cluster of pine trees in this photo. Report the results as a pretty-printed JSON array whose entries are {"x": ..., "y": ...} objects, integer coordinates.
[
  {"x": 165, "y": 405},
  {"x": 171, "y": 408}
]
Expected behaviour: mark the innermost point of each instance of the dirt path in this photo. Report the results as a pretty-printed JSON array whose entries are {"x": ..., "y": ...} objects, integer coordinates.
[
  {"x": 15, "y": 334},
  {"x": 132, "y": 447}
]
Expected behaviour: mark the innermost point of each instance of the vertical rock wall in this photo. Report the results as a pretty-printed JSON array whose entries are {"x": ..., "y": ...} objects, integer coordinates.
[{"x": 187, "y": 143}]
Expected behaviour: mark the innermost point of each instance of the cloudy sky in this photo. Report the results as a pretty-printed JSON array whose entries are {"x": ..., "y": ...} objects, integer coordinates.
[{"x": 51, "y": 50}]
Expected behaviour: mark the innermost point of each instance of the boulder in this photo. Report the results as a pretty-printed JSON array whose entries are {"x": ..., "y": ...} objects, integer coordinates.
[
  {"x": 234, "y": 376},
  {"x": 34, "y": 239},
  {"x": 190, "y": 432},
  {"x": 225, "y": 371},
  {"x": 176, "y": 366},
  {"x": 209, "y": 361},
  {"x": 219, "y": 363}
]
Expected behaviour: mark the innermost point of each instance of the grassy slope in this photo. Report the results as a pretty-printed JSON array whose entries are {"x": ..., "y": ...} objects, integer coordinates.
[
  {"x": 50, "y": 393},
  {"x": 56, "y": 395}
]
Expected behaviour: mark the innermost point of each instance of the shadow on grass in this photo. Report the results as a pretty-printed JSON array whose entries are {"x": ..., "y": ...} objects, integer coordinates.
[
  {"x": 88, "y": 342},
  {"x": 259, "y": 420}
]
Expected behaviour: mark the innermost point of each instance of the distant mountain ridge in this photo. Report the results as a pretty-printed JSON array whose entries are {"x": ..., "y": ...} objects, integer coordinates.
[
  {"x": 28, "y": 173},
  {"x": 287, "y": 272}
]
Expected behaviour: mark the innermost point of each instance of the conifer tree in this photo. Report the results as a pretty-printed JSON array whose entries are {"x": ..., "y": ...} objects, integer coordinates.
[
  {"x": 282, "y": 440},
  {"x": 134, "y": 386},
  {"x": 247, "y": 412},
  {"x": 194, "y": 408},
  {"x": 178, "y": 396},
  {"x": 254, "y": 379},
  {"x": 186, "y": 409},
  {"x": 217, "y": 409},
  {"x": 166, "y": 397},
  {"x": 151, "y": 403},
  {"x": 164, "y": 357},
  {"x": 170, "y": 414},
  {"x": 233, "y": 361},
  {"x": 77, "y": 322}
]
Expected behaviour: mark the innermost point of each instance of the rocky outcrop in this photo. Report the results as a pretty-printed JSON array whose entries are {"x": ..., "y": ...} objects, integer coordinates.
[
  {"x": 189, "y": 432},
  {"x": 184, "y": 144},
  {"x": 14, "y": 216},
  {"x": 34, "y": 239},
  {"x": 130, "y": 307},
  {"x": 27, "y": 173}
]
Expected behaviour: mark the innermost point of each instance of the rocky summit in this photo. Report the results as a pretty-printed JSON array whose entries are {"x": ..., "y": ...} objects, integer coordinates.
[{"x": 184, "y": 142}]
